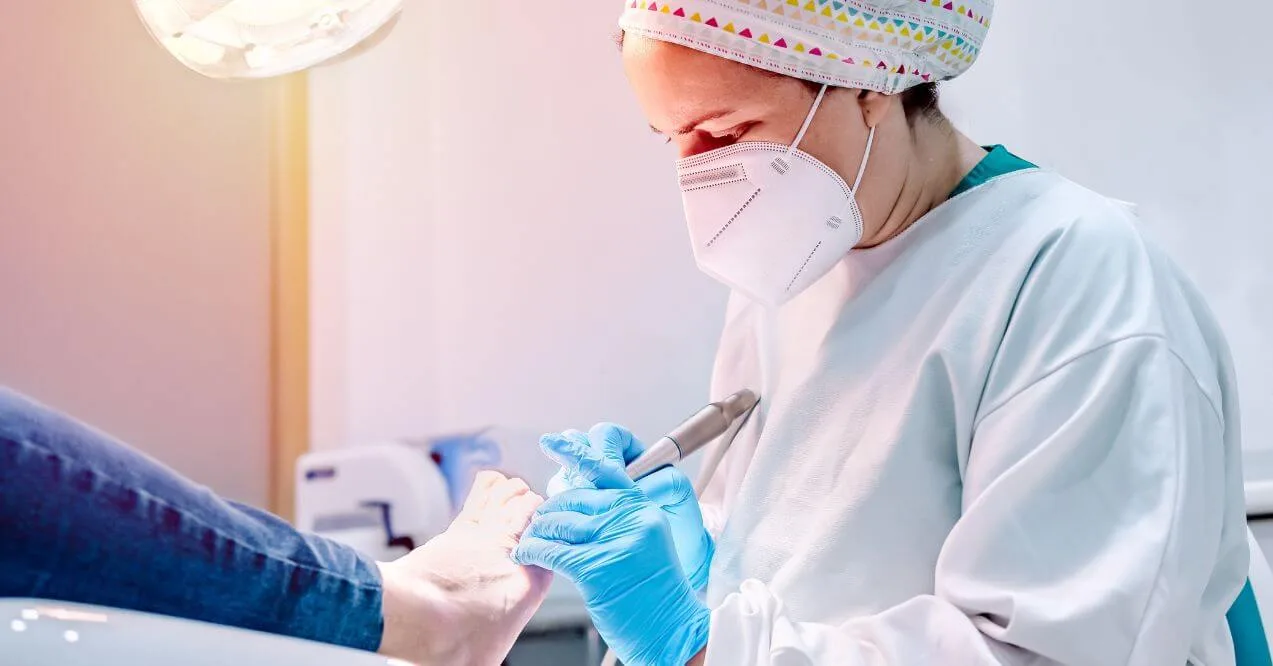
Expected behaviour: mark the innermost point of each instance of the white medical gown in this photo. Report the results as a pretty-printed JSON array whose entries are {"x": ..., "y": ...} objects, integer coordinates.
[{"x": 1008, "y": 436}]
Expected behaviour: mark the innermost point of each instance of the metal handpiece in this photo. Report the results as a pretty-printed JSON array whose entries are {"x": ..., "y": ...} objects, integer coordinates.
[{"x": 696, "y": 432}]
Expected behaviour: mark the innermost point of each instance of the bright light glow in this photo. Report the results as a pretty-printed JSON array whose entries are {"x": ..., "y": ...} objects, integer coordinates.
[
  {"x": 18, "y": 625},
  {"x": 71, "y": 636},
  {"x": 68, "y": 615},
  {"x": 165, "y": 17},
  {"x": 30, "y": 614},
  {"x": 255, "y": 12},
  {"x": 195, "y": 50},
  {"x": 261, "y": 38},
  {"x": 260, "y": 57}
]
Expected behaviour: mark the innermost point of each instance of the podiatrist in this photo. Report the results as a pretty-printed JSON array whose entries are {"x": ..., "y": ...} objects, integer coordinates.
[{"x": 997, "y": 425}]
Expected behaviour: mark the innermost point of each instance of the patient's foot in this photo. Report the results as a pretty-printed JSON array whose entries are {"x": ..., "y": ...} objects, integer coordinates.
[{"x": 459, "y": 599}]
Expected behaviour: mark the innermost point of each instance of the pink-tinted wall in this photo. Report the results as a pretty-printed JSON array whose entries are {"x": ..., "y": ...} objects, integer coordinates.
[{"x": 134, "y": 240}]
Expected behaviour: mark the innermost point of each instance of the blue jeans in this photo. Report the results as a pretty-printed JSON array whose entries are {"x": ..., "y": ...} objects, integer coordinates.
[{"x": 85, "y": 518}]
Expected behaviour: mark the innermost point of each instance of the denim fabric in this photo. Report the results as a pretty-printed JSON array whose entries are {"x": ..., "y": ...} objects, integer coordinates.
[{"x": 85, "y": 518}]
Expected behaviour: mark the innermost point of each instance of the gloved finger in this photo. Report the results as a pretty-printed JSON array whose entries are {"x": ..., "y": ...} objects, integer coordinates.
[
  {"x": 585, "y": 501},
  {"x": 566, "y": 527},
  {"x": 542, "y": 553},
  {"x": 578, "y": 458},
  {"x": 580, "y": 443},
  {"x": 566, "y": 454},
  {"x": 564, "y": 480},
  {"x": 479, "y": 493},
  {"x": 616, "y": 442},
  {"x": 670, "y": 487},
  {"x": 559, "y": 483}
]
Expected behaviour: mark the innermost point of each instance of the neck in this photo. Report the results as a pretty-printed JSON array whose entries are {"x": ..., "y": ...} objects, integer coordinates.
[{"x": 941, "y": 156}]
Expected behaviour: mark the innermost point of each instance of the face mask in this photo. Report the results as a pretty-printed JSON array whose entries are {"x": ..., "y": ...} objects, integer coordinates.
[{"x": 767, "y": 219}]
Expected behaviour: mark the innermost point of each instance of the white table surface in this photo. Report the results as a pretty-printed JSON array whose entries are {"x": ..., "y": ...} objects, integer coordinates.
[{"x": 1257, "y": 472}]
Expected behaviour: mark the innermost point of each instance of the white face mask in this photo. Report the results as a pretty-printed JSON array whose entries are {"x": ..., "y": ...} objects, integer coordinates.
[{"x": 767, "y": 219}]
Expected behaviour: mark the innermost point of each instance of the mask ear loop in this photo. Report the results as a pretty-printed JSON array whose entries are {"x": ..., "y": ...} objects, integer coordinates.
[
  {"x": 807, "y": 120},
  {"x": 870, "y": 139}
]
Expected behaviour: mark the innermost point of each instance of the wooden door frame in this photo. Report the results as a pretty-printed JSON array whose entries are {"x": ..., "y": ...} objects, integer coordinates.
[{"x": 289, "y": 288}]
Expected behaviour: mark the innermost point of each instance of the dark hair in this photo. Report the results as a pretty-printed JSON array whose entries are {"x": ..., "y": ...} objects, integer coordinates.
[{"x": 922, "y": 102}]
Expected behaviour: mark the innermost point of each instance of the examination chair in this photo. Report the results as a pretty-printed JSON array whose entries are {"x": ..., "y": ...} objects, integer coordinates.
[{"x": 45, "y": 633}]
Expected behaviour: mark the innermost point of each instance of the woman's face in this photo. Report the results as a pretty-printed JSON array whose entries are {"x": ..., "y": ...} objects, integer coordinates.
[{"x": 701, "y": 102}]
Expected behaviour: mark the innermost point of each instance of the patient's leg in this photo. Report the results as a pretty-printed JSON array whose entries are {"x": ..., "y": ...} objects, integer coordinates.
[{"x": 85, "y": 518}]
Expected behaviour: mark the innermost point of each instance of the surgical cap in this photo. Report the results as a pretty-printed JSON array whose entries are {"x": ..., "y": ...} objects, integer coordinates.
[{"x": 882, "y": 45}]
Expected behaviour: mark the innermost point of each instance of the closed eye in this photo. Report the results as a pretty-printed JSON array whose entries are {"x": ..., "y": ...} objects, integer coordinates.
[
  {"x": 698, "y": 141},
  {"x": 735, "y": 133}
]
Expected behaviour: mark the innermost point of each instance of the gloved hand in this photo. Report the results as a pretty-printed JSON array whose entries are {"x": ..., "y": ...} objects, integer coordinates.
[
  {"x": 597, "y": 459},
  {"x": 616, "y": 546}
]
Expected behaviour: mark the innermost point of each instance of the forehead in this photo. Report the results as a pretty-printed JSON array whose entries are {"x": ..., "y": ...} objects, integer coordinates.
[{"x": 672, "y": 81}]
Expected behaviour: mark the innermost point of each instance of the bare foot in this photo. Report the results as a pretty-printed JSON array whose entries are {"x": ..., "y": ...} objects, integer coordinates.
[{"x": 459, "y": 599}]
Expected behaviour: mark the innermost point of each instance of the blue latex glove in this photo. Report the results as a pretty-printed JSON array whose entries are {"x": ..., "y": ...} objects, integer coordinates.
[
  {"x": 616, "y": 546},
  {"x": 597, "y": 459}
]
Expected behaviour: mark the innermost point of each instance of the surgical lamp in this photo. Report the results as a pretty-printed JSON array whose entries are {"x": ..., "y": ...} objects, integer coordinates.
[{"x": 253, "y": 39}]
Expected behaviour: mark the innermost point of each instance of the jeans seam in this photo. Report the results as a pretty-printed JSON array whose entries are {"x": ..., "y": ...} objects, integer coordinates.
[{"x": 192, "y": 518}]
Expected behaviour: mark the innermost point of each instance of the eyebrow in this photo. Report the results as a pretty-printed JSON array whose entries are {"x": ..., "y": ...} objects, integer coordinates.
[
  {"x": 691, "y": 126},
  {"x": 684, "y": 129}
]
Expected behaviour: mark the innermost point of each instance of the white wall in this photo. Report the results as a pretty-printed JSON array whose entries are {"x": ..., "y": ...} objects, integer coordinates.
[
  {"x": 134, "y": 240},
  {"x": 1147, "y": 102},
  {"x": 498, "y": 239}
]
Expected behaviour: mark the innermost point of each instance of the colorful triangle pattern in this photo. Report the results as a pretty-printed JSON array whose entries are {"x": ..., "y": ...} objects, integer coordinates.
[{"x": 839, "y": 16}]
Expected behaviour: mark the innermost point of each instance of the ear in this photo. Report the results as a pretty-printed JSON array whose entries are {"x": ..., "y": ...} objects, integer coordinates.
[{"x": 876, "y": 106}]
